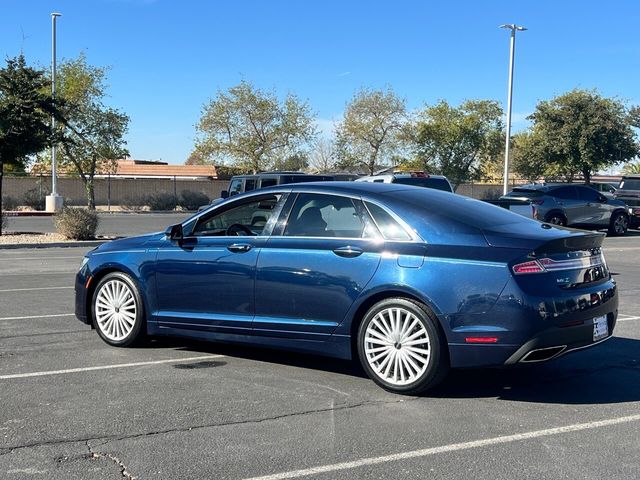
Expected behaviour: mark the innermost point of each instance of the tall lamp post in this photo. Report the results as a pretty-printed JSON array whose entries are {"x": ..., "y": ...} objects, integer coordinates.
[
  {"x": 54, "y": 201},
  {"x": 513, "y": 27}
]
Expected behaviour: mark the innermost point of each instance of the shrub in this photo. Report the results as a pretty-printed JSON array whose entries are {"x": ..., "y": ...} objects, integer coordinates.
[
  {"x": 161, "y": 200},
  {"x": 35, "y": 198},
  {"x": 9, "y": 203},
  {"x": 132, "y": 203},
  {"x": 77, "y": 223},
  {"x": 190, "y": 200},
  {"x": 4, "y": 221}
]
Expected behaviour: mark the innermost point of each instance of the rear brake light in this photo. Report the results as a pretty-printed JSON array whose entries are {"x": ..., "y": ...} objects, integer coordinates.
[{"x": 528, "y": 267}]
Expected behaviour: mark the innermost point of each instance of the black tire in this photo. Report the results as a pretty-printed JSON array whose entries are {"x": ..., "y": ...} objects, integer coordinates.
[
  {"x": 619, "y": 224},
  {"x": 437, "y": 364},
  {"x": 556, "y": 218},
  {"x": 139, "y": 329}
]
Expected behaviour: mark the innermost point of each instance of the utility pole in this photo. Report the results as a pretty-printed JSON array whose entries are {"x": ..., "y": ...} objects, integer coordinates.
[
  {"x": 513, "y": 27},
  {"x": 54, "y": 202}
]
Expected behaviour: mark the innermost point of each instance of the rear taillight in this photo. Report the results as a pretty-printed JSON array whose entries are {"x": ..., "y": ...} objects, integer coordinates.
[
  {"x": 550, "y": 265},
  {"x": 528, "y": 267}
]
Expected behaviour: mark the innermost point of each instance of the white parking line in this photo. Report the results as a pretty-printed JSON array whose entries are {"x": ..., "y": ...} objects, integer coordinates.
[
  {"x": 13, "y": 259},
  {"x": 106, "y": 367},
  {"x": 626, "y": 319},
  {"x": 32, "y": 289},
  {"x": 39, "y": 316},
  {"x": 448, "y": 448}
]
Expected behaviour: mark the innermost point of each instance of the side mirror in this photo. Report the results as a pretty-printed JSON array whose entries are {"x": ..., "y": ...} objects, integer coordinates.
[
  {"x": 612, "y": 190},
  {"x": 174, "y": 232},
  {"x": 224, "y": 194}
]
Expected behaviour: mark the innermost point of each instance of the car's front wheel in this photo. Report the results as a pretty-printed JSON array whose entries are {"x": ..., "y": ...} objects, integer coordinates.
[
  {"x": 400, "y": 347},
  {"x": 619, "y": 224},
  {"x": 118, "y": 313}
]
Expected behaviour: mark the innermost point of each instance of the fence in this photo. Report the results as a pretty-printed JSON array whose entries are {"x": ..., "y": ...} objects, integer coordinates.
[
  {"x": 114, "y": 191},
  {"x": 111, "y": 191}
]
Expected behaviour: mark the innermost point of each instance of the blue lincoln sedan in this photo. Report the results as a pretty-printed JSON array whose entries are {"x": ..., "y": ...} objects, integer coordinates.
[{"x": 411, "y": 281}]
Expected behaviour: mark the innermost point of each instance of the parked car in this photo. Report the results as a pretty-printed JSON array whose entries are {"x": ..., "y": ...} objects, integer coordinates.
[
  {"x": 410, "y": 281},
  {"x": 573, "y": 205},
  {"x": 245, "y": 183},
  {"x": 418, "y": 179},
  {"x": 602, "y": 187},
  {"x": 629, "y": 192}
]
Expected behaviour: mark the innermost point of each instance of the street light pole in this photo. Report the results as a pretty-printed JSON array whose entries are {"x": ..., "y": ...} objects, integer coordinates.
[
  {"x": 513, "y": 27},
  {"x": 54, "y": 201}
]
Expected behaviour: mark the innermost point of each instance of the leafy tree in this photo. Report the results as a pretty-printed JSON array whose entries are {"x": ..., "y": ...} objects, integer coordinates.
[
  {"x": 93, "y": 138},
  {"x": 632, "y": 168},
  {"x": 457, "y": 141},
  {"x": 292, "y": 162},
  {"x": 582, "y": 132},
  {"x": 252, "y": 127},
  {"x": 370, "y": 132}
]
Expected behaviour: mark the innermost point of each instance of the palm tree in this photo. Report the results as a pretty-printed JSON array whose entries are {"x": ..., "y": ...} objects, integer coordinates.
[{"x": 632, "y": 168}]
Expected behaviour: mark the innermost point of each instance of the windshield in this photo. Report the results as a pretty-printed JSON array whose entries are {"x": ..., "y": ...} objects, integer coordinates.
[{"x": 525, "y": 192}]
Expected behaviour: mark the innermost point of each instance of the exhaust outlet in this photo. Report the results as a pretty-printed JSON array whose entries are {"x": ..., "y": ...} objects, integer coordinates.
[{"x": 543, "y": 354}]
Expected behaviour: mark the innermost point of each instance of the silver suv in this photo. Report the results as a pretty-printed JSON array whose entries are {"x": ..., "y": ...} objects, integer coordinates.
[{"x": 574, "y": 206}]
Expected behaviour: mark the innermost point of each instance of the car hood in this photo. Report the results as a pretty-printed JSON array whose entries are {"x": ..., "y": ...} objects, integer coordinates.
[
  {"x": 530, "y": 236},
  {"x": 129, "y": 242}
]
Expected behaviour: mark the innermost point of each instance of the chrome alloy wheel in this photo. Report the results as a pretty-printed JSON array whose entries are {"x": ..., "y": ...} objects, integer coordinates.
[
  {"x": 397, "y": 346},
  {"x": 115, "y": 310},
  {"x": 620, "y": 224}
]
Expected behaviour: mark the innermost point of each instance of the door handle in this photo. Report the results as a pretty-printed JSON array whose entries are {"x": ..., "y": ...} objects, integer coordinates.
[
  {"x": 348, "y": 252},
  {"x": 239, "y": 247}
]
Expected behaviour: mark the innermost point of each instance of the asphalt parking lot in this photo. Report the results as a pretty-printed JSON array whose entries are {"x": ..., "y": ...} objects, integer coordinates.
[{"x": 73, "y": 407}]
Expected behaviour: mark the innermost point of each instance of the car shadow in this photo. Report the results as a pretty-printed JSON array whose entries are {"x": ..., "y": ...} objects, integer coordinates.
[{"x": 608, "y": 373}]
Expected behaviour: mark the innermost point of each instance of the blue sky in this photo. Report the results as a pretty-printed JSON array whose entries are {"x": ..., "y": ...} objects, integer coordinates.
[{"x": 168, "y": 57}]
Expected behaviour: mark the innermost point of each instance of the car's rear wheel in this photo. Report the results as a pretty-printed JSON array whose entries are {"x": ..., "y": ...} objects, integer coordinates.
[
  {"x": 556, "y": 219},
  {"x": 400, "y": 347},
  {"x": 118, "y": 313},
  {"x": 619, "y": 224}
]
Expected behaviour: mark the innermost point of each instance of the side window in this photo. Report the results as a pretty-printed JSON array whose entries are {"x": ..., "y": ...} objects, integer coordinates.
[
  {"x": 248, "y": 218},
  {"x": 317, "y": 215},
  {"x": 235, "y": 187},
  {"x": 388, "y": 226},
  {"x": 565, "y": 193},
  {"x": 249, "y": 184},
  {"x": 588, "y": 194},
  {"x": 268, "y": 182}
]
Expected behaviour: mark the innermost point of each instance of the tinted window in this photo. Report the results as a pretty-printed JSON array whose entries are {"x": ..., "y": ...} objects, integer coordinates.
[
  {"x": 315, "y": 215},
  {"x": 268, "y": 182},
  {"x": 564, "y": 193},
  {"x": 630, "y": 184},
  {"x": 388, "y": 226},
  {"x": 252, "y": 215},
  {"x": 249, "y": 184},
  {"x": 588, "y": 194},
  {"x": 437, "y": 183},
  {"x": 236, "y": 186},
  {"x": 525, "y": 192}
]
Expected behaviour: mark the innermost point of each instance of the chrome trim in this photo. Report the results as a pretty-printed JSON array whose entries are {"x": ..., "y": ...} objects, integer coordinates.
[{"x": 530, "y": 352}]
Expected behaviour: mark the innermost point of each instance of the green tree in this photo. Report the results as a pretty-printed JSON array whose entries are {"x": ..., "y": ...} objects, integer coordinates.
[
  {"x": 458, "y": 141},
  {"x": 252, "y": 128},
  {"x": 93, "y": 134},
  {"x": 582, "y": 132},
  {"x": 632, "y": 168},
  {"x": 292, "y": 162},
  {"x": 25, "y": 109},
  {"x": 370, "y": 132}
]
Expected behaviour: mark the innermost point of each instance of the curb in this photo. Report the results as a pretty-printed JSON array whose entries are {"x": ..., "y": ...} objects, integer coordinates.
[
  {"x": 28, "y": 213},
  {"x": 88, "y": 243}
]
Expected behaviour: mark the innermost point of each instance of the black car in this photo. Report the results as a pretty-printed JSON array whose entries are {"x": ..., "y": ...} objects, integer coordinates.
[{"x": 629, "y": 192}]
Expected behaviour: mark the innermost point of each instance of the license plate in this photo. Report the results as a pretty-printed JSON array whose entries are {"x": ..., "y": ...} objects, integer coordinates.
[{"x": 600, "y": 328}]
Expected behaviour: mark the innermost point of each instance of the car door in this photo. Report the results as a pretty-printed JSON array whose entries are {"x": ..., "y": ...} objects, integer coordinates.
[
  {"x": 567, "y": 200},
  {"x": 596, "y": 210},
  {"x": 206, "y": 281},
  {"x": 321, "y": 256}
]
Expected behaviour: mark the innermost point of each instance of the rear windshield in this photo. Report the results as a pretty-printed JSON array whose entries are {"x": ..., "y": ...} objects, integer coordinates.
[
  {"x": 464, "y": 210},
  {"x": 525, "y": 192},
  {"x": 436, "y": 183},
  {"x": 630, "y": 184}
]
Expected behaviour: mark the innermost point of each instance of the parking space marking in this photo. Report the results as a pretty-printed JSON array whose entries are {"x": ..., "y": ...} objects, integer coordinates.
[
  {"x": 454, "y": 447},
  {"x": 106, "y": 367},
  {"x": 55, "y": 315},
  {"x": 626, "y": 319},
  {"x": 33, "y": 288},
  {"x": 13, "y": 259}
]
